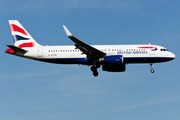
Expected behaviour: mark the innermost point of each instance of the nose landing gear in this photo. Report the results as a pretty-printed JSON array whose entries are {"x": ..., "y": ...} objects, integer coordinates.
[{"x": 152, "y": 70}]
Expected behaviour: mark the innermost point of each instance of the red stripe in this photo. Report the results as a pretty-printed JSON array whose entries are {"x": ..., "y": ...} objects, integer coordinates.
[
  {"x": 15, "y": 28},
  {"x": 148, "y": 47},
  {"x": 11, "y": 51},
  {"x": 31, "y": 44}
]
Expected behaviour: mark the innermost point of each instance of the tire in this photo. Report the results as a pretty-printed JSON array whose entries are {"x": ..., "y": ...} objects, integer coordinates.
[
  {"x": 93, "y": 68},
  {"x": 152, "y": 70},
  {"x": 95, "y": 73}
]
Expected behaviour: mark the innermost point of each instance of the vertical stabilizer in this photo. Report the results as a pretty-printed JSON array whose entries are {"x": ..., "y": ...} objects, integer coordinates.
[{"x": 21, "y": 37}]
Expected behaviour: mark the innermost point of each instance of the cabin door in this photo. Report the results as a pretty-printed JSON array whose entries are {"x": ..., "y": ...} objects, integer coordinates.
[{"x": 40, "y": 51}]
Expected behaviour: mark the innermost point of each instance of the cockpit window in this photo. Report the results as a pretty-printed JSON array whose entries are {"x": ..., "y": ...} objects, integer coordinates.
[{"x": 164, "y": 49}]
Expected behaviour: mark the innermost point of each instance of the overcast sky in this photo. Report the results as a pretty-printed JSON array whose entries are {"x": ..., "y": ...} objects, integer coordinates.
[{"x": 36, "y": 90}]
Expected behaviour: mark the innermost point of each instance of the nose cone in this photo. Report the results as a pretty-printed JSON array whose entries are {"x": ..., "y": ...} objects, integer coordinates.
[{"x": 171, "y": 55}]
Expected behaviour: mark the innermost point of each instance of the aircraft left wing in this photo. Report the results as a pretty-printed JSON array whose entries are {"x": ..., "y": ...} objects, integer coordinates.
[{"x": 91, "y": 52}]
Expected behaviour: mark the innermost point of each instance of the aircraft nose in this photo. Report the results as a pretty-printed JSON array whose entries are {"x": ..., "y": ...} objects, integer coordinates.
[{"x": 172, "y": 55}]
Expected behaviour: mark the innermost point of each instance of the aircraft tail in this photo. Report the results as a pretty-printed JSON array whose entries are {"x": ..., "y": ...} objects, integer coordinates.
[{"x": 21, "y": 37}]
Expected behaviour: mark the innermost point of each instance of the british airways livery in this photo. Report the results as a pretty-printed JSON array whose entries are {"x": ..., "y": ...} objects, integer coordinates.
[{"x": 112, "y": 58}]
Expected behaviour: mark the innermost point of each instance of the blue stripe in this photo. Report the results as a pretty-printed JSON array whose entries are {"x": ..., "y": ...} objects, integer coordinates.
[
  {"x": 126, "y": 60},
  {"x": 147, "y": 59},
  {"x": 66, "y": 60},
  {"x": 20, "y": 38}
]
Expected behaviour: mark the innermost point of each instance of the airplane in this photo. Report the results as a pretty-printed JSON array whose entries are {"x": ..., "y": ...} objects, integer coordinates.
[{"x": 112, "y": 58}]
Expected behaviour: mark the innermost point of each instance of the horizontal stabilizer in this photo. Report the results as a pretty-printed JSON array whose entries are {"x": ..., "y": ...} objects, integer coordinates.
[{"x": 17, "y": 49}]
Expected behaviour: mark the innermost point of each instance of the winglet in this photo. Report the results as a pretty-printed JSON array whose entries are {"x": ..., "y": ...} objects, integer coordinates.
[{"x": 67, "y": 31}]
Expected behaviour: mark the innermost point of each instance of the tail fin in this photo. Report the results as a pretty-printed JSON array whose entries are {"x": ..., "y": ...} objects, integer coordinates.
[{"x": 21, "y": 37}]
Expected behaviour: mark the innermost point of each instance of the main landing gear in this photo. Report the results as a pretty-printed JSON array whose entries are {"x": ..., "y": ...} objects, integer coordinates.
[
  {"x": 94, "y": 70},
  {"x": 152, "y": 70}
]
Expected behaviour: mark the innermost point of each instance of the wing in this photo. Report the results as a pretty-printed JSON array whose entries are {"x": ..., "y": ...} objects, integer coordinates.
[{"x": 91, "y": 52}]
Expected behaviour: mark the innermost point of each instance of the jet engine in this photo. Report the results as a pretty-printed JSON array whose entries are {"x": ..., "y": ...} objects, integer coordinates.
[
  {"x": 114, "y": 68},
  {"x": 113, "y": 59}
]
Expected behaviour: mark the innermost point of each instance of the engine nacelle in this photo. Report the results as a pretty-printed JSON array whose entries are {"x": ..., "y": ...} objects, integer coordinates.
[
  {"x": 114, "y": 68},
  {"x": 113, "y": 59}
]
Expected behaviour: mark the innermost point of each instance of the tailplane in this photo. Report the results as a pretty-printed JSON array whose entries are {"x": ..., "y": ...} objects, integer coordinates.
[{"x": 22, "y": 39}]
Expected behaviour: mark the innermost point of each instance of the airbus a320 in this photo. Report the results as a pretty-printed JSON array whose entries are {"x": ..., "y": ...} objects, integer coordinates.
[{"x": 112, "y": 58}]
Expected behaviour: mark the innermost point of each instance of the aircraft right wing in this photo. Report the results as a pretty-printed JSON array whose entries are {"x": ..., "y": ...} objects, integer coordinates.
[{"x": 91, "y": 52}]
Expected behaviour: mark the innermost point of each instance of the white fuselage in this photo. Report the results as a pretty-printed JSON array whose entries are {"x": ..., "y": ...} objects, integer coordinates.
[{"x": 70, "y": 55}]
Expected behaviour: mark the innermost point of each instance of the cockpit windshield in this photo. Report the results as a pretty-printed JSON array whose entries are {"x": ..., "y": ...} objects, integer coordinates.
[{"x": 163, "y": 49}]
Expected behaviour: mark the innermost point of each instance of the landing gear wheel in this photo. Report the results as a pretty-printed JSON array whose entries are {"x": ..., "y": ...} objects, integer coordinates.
[
  {"x": 93, "y": 68},
  {"x": 95, "y": 73},
  {"x": 152, "y": 70}
]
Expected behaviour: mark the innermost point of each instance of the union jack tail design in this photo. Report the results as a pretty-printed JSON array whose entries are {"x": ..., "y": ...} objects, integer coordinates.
[{"x": 21, "y": 37}]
